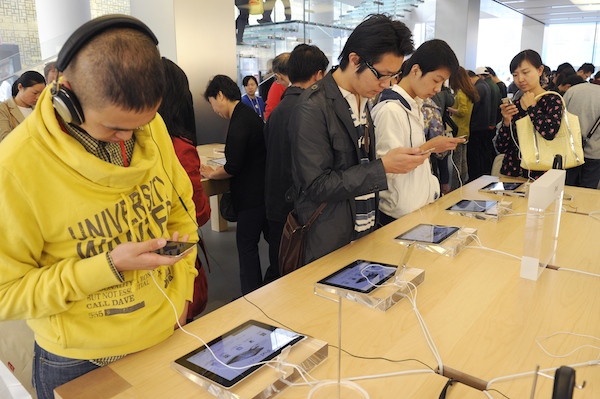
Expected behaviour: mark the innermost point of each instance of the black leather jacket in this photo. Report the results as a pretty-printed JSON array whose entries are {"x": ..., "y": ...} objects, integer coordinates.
[{"x": 326, "y": 167}]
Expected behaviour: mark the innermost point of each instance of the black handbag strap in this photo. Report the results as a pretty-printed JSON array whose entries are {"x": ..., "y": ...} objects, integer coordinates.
[
  {"x": 315, "y": 215},
  {"x": 592, "y": 130}
]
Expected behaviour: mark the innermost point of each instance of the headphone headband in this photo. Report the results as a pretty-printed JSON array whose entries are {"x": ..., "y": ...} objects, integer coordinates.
[{"x": 87, "y": 31}]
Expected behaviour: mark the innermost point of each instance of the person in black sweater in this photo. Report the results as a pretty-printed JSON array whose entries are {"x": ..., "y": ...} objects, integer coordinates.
[
  {"x": 245, "y": 167},
  {"x": 307, "y": 65}
]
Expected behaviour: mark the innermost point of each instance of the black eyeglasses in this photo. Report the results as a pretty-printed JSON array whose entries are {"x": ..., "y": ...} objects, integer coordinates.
[{"x": 380, "y": 76}]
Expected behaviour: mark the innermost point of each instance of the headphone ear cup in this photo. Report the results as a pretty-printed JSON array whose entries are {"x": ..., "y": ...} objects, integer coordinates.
[{"x": 67, "y": 105}]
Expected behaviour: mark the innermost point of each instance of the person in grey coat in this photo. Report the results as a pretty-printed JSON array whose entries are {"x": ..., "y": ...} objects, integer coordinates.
[
  {"x": 333, "y": 148},
  {"x": 583, "y": 100}
]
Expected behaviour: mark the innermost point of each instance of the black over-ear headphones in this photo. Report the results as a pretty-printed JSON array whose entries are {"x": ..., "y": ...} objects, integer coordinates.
[{"x": 64, "y": 100}]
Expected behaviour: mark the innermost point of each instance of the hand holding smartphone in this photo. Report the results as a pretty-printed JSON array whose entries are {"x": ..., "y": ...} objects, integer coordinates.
[
  {"x": 176, "y": 249},
  {"x": 426, "y": 151}
]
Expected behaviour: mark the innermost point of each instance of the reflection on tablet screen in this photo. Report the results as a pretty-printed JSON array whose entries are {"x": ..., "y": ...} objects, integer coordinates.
[
  {"x": 502, "y": 186},
  {"x": 251, "y": 343},
  {"x": 428, "y": 233},
  {"x": 472, "y": 205},
  {"x": 361, "y": 276}
]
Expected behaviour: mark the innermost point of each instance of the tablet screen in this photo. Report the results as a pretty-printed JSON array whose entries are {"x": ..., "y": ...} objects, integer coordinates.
[
  {"x": 361, "y": 276},
  {"x": 502, "y": 186},
  {"x": 472, "y": 206},
  {"x": 248, "y": 344},
  {"x": 428, "y": 233}
]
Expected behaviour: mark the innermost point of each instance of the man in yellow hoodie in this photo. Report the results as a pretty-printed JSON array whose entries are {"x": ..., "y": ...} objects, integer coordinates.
[{"x": 91, "y": 186}]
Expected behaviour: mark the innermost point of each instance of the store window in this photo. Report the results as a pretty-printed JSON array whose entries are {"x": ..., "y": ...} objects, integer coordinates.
[{"x": 572, "y": 43}]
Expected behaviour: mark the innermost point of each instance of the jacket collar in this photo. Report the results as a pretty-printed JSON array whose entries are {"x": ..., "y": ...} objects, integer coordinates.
[{"x": 340, "y": 106}]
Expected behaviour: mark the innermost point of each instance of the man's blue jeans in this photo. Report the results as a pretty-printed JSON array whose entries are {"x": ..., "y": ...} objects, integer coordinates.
[{"x": 51, "y": 371}]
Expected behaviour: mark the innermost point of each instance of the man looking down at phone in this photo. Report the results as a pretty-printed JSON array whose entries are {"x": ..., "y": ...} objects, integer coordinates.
[
  {"x": 107, "y": 190},
  {"x": 398, "y": 119},
  {"x": 333, "y": 149}
]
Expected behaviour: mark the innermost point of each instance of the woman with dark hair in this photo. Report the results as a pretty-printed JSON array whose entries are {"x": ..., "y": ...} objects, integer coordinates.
[
  {"x": 25, "y": 92},
  {"x": 545, "y": 113},
  {"x": 250, "y": 98},
  {"x": 465, "y": 95},
  {"x": 177, "y": 110}
]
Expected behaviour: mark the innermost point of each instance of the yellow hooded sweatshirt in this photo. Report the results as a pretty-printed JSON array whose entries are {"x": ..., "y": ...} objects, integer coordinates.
[{"x": 61, "y": 209}]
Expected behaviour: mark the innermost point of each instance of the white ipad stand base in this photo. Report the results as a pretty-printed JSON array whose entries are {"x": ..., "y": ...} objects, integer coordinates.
[
  {"x": 451, "y": 246},
  {"x": 267, "y": 382},
  {"x": 494, "y": 214}
]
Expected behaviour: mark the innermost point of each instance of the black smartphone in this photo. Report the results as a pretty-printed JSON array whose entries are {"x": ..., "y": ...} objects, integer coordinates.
[{"x": 176, "y": 248}]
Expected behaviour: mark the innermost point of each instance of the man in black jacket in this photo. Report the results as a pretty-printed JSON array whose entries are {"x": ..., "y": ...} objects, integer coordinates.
[
  {"x": 306, "y": 65},
  {"x": 333, "y": 148}
]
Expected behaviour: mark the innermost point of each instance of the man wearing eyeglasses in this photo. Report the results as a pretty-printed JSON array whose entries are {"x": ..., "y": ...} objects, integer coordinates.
[{"x": 333, "y": 148}]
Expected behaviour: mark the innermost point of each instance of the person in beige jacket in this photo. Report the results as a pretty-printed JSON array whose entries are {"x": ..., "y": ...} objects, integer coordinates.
[{"x": 25, "y": 93}]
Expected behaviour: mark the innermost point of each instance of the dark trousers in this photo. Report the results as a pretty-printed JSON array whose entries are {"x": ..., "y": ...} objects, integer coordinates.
[
  {"x": 250, "y": 224},
  {"x": 50, "y": 371},
  {"x": 242, "y": 19},
  {"x": 385, "y": 219},
  {"x": 480, "y": 153},
  {"x": 440, "y": 168},
  {"x": 270, "y": 4},
  {"x": 586, "y": 175},
  {"x": 275, "y": 232}
]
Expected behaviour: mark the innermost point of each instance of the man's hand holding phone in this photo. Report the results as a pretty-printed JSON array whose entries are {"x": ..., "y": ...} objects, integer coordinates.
[
  {"x": 442, "y": 143},
  {"x": 144, "y": 256},
  {"x": 403, "y": 159}
]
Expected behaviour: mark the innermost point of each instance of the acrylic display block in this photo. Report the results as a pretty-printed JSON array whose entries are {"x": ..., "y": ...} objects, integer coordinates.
[
  {"x": 383, "y": 297},
  {"x": 449, "y": 247},
  {"x": 542, "y": 223}
]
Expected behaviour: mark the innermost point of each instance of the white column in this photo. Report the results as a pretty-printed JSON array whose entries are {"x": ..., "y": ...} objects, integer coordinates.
[
  {"x": 200, "y": 37},
  {"x": 532, "y": 35},
  {"x": 457, "y": 22},
  {"x": 57, "y": 20}
]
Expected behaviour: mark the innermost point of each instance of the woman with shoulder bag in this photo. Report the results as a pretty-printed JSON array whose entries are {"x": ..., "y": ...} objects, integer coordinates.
[{"x": 545, "y": 113}]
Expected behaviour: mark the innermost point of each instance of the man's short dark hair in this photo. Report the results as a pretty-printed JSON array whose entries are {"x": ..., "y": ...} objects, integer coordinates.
[
  {"x": 490, "y": 71},
  {"x": 587, "y": 67},
  {"x": 223, "y": 84},
  {"x": 431, "y": 56},
  {"x": 280, "y": 63},
  {"x": 120, "y": 67},
  {"x": 571, "y": 80},
  {"x": 566, "y": 68},
  {"x": 373, "y": 38},
  {"x": 306, "y": 60}
]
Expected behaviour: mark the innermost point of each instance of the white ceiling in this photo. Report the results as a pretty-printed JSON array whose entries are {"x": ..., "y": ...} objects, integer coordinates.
[
  {"x": 552, "y": 11},
  {"x": 545, "y": 11}
]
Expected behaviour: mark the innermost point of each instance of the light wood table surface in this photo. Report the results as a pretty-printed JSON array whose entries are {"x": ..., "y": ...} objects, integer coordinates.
[
  {"x": 214, "y": 188},
  {"x": 483, "y": 318}
]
